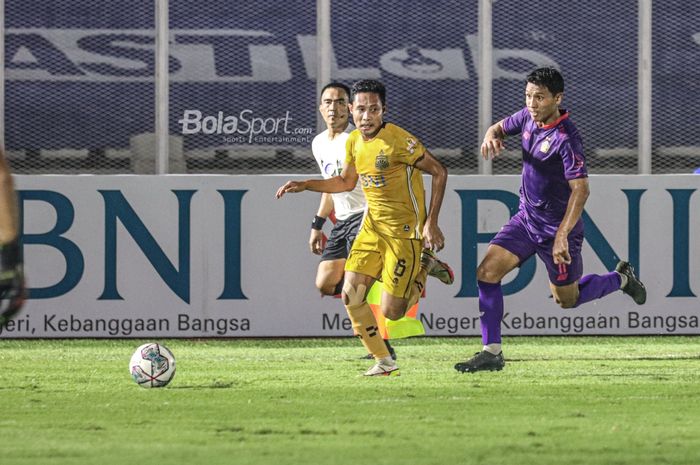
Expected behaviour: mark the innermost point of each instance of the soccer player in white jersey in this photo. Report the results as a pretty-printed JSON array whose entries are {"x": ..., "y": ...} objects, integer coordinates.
[
  {"x": 11, "y": 273},
  {"x": 328, "y": 149}
]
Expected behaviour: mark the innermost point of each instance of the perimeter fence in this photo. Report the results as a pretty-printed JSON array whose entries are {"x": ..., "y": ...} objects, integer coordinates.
[{"x": 82, "y": 87}]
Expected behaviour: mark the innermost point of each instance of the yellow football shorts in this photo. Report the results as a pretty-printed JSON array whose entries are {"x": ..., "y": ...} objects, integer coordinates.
[{"x": 394, "y": 260}]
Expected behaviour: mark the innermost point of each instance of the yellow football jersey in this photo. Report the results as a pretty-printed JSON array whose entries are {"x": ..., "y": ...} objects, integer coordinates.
[{"x": 393, "y": 187}]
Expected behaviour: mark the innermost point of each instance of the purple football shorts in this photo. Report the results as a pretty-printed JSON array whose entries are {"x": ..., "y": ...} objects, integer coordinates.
[{"x": 516, "y": 238}]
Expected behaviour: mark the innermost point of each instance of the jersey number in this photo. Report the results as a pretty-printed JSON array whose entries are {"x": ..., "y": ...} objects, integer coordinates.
[{"x": 400, "y": 268}]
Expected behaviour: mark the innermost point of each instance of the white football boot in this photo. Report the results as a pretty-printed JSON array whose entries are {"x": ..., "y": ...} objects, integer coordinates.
[{"x": 384, "y": 367}]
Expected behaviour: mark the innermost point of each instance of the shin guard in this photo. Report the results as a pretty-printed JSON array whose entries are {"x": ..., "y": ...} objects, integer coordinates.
[{"x": 365, "y": 325}]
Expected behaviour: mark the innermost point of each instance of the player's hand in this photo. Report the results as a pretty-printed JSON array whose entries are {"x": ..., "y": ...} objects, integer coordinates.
[
  {"x": 316, "y": 241},
  {"x": 12, "y": 291},
  {"x": 432, "y": 237},
  {"x": 560, "y": 249},
  {"x": 291, "y": 186},
  {"x": 491, "y": 147}
]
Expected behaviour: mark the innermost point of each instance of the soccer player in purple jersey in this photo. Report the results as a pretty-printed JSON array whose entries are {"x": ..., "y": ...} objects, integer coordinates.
[{"x": 548, "y": 223}]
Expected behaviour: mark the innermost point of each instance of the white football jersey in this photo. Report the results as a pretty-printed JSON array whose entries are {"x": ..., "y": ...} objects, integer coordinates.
[{"x": 330, "y": 156}]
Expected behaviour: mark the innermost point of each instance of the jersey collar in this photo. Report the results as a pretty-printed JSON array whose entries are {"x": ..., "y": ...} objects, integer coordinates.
[{"x": 563, "y": 114}]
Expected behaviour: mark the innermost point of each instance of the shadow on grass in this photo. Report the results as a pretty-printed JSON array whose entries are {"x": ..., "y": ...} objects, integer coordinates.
[{"x": 214, "y": 385}]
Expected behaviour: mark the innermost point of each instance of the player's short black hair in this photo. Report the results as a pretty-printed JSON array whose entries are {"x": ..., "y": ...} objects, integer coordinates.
[
  {"x": 549, "y": 78},
  {"x": 336, "y": 85},
  {"x": 369, "y": 85}
]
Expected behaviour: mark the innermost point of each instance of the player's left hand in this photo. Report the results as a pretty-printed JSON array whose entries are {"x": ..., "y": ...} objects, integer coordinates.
[
  {"x": 560, "y": 250},
  {"x": 316, "y": 241},
  {"x": 432, "y": 237},
  {"x": 291, "y": 186}
]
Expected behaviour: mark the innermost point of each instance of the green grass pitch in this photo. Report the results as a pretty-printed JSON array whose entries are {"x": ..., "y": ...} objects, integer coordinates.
[{"x": 575, "y": 400}]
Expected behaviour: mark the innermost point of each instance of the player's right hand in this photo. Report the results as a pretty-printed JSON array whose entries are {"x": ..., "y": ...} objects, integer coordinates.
[
  {"x": 316, "y": 241},
  {"x": 12, "y": 292},
  {"x": 291, "y": 186},
  {"x": 491, "y": 147}
]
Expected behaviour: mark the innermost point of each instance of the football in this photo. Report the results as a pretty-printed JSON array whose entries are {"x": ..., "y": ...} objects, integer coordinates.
[{"x": 152, "y": 365}]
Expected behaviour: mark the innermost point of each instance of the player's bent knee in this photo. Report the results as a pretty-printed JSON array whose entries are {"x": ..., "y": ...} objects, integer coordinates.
[
  {"x": 394, "y": 315},
  {"x": 566, "y": 296},
  {"x": 325, "y": 288},
  {"x": 485, "y": 274},
  {"x": 567, "y": 303},
  {"x": 353, "y": 296},
  {"x": 394, "y": 312}
]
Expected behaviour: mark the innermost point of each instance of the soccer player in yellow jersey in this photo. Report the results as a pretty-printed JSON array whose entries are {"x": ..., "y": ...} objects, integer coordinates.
[{"x": 398, "y": 236}]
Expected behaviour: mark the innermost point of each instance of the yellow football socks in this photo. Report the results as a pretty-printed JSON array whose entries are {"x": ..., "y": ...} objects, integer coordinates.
[
  {"x": 417, "y": 287},
  {"x": 365, "y": 325}
]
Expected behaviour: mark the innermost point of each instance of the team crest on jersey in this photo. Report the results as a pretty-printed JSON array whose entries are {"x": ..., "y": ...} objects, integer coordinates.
[
  {"x": 544, "y": 147},
  {"x": 382, "y": 161},
  {"x": 411, "y": 145}
]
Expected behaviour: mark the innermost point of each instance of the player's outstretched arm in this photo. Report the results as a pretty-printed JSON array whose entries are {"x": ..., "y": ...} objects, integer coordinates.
[
  {"x": 346, "y": 181},
  {"x": 292, "y": 187},
  {"x": 432, "y": 235},
  {"x": 493, "y": 141}
]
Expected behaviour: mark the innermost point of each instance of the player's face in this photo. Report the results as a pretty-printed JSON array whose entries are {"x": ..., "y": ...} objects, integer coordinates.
[
  {"x": 542, "y": 105},
  {"x": 367, "y": 113},
  {"x": 334, "y": 108}
]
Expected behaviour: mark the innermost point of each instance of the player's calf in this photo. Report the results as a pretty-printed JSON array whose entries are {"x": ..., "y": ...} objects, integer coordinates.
[{"x": 363, "y": 321}]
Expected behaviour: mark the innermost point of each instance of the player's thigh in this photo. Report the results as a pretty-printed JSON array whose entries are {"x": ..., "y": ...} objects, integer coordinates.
[
  {"x": 330, "y": 273},
  {"x": 509, "y": 248},
  {"x": 365, "y": 256},
  {"x": 401, "y": 265},
  {"x": 401, "y": 268},
  {"x": 341, "y": 238},
  {"x": 497, "y": 263}
]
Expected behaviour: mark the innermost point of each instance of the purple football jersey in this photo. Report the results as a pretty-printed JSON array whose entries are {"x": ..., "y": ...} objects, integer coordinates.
[{"x": 552, "y": 156}]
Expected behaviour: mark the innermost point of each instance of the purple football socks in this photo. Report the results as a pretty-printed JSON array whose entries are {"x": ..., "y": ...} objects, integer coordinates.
[
  {"x": 593, "y": 286},
  {"x": 490, "y": 311}
]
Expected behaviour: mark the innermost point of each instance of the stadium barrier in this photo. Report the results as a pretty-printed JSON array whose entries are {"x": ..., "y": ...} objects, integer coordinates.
[{"x": 219, "y": 256}]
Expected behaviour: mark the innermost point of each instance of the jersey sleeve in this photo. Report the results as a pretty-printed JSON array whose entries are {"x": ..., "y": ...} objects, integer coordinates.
[
  {"x": 349, "y": 151},
  {"x": 316, "y": 152},
  {"x": 573, "y": 159},
  {"x": 514, "y": 123},
  {"x": 408, "y": 146}
]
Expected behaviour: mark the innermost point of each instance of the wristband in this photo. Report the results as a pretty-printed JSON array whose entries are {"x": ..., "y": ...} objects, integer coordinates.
[{"x": 317, "y": 223}]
